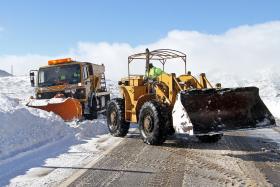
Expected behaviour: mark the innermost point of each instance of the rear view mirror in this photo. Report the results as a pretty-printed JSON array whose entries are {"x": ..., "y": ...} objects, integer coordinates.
[{"x": 32, "y": 78}]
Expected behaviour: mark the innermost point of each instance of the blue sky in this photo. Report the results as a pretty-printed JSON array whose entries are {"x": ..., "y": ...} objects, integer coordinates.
[{"x": 50, "y": 27}]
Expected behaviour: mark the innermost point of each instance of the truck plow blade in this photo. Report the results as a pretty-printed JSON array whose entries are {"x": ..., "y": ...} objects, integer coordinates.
[
  {"x": 215, "y": 110},
  {"x": 67, "y": 108}
]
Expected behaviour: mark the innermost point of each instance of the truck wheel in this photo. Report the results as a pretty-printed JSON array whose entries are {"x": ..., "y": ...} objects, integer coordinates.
[
  {"x": 210, "y": 138},
  {"x": 93, "y": 111},
  {"x": 115, "y": 118},
  {"x": 151, "y": 124}
]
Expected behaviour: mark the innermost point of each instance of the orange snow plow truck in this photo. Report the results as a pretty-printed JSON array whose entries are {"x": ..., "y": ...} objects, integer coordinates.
[{"x": 73, "y": 90}]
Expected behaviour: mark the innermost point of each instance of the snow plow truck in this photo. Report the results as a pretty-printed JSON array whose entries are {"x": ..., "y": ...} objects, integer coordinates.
[
  {"x": 164, "y": 103},
  {"x": 71, "y": 89}
]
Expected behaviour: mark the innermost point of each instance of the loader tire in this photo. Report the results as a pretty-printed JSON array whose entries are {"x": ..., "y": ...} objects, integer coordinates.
[
  {"x": 151, "y": 124},
  {"x": 210, "y": 138},
  {"x": 115, "y": 118}
]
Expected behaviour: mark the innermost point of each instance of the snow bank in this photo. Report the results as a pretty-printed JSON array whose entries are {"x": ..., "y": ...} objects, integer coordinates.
[
  {"x": 24, "y": 128},
  {"x": 113, "y": 88},
  {"x": 89, "y": 129},
  {"x": 17, "y": 87}
]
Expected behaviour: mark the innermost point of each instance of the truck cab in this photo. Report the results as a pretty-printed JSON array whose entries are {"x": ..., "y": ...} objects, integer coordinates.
[{"x": 83, "y": 81}]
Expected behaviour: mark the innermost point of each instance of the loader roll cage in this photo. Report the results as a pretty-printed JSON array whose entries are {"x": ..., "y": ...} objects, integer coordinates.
[{"x": 161, "y": 55}]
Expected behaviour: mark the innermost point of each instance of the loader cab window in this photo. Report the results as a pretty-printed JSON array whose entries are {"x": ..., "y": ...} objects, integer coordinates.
[{"x": 59, "y": 75}]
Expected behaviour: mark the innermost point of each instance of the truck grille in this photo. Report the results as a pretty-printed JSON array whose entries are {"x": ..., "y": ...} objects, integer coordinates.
[{"x": 48, "y": 95}]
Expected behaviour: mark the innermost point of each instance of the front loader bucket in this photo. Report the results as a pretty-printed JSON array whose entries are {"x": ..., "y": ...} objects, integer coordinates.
[
  {"x": 67, "y": 108},
  {"x": 215, "y": 110}
]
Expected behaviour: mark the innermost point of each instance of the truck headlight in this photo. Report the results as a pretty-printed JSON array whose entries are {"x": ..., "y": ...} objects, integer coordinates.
[
  {"x": 73, "y": 91},
  {"x": 80, "y": 94}
]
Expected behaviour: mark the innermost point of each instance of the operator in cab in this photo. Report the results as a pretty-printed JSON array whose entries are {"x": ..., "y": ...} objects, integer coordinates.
[{"x": 154, "y": 72}]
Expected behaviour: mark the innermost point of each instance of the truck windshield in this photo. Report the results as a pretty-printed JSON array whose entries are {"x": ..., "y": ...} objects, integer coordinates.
[{"x": 58, "y": 75}]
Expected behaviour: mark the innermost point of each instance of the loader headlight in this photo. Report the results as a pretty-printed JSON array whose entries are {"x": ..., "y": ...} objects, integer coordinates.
[{"x": 39, "y": 95}]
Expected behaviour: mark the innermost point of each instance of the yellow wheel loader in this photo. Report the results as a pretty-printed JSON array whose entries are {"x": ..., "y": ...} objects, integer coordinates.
[
  {"x": 164, "y": 104},
  {"x": 70, "y": 89}
]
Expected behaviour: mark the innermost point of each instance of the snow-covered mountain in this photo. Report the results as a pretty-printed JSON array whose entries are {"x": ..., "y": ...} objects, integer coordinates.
[{"x": 4, "y": 73}]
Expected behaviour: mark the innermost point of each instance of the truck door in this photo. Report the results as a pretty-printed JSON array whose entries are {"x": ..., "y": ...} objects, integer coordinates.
[
  {"x": 91, "y": 76},
  {"x": 86, "y": 79}
]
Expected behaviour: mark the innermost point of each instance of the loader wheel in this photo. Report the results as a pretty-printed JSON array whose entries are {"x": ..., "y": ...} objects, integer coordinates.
[
  {"x": 115, "y": 118},
  {"x": 151, "y": 124},
  {"x": 210, "y": 138}
]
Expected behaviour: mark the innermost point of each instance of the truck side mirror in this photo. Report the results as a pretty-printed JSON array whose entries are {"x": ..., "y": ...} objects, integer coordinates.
[{"x": 32, "y": 79}]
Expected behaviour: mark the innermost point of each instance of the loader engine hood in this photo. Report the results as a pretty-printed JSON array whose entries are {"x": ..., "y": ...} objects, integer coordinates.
[{"x": 214, "y": 110}]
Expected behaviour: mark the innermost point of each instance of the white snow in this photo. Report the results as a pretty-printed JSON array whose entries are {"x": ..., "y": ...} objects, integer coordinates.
[
  {"x": 38, "y": 148},
  {"x": 268, "y": 134},
  {"x": 267, "y": 80},
  {"x": 65, "y": 157},
  {"x": 45, "y": 102},
  {"x": 24, "y": 128},
  {"x": 32, "y": 138}
]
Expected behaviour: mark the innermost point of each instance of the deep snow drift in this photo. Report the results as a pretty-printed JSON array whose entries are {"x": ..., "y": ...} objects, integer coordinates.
[{"x": 25, "y": 130}]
